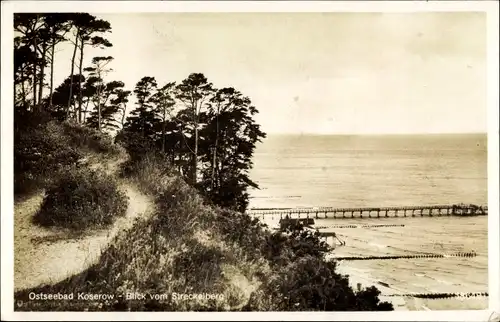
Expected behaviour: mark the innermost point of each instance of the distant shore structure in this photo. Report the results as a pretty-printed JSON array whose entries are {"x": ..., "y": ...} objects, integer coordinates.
[{"x": 373, "y": 212}]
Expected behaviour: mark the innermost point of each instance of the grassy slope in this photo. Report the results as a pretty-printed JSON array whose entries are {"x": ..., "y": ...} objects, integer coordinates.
[
  {"x": 176, "y": 249},
  {"x": 184, "y": 246}
]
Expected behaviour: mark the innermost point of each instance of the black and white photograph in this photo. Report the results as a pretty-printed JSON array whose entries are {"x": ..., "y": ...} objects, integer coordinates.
[{"x": 250, "y": 160}]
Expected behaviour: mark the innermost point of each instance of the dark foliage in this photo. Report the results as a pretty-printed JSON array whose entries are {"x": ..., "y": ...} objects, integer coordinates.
[
  {"x": 203, "y": 264},
  {"x": 41, "y": 153},
  {"x": 82, "y": 199},
  {"x": 136, "y": 145},
  {"x": 68, "y": 89},
  {"x": 306, "y": 281},
  {"x": 89, "y": 139},
  {"x": 210, "y": 138}
]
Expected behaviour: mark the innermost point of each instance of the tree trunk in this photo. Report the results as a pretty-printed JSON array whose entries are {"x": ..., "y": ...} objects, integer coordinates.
[
  {"x": 86, "y": 111},
  {"x": 99, "y": 109},
  {"x": 195, "y": 156},
  {"x": 23, "y": 88},
  {"x": 42, "y": 75},
  {"x": 181, "y": 150},
  {"x": 99, "y": 87},
  {"x": 214, "y": 163},
  {"x": 72, "y": 73},
  {"x": 80, "y": 91},
  {"x": 34, "y": 74},
  {"x": 123, "y": 116},
  {"x": 99, "y": 117},
  {"x": 163, "y": 143},
  {"x": 52, "y": 72},
  {"x": 143, "y": 124}
]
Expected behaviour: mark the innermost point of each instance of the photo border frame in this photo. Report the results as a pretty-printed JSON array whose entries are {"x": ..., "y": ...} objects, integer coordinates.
[{"x": 9, "y": 7}]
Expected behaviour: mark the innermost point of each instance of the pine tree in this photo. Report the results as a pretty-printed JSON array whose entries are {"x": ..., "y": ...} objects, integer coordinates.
[
  {"x": 101, "y": 96},
  {"x": 163, "y": 101},
  {"x": 86, "y": 27},
  {"x": 59, "y": 97},
  {"x": 138, "y": 133},
  {"x": 194, "y": 92},
  {"x": 58, "y": 25},
  {"x": 228, "y": 143},
  {"x": 29, "y": 30},
  {"x": 121, "y": 100},
  {"x": 104, "y": 117}
]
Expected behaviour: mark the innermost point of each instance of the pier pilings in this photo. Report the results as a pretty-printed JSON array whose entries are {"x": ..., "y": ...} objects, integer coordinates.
[{"x": 371, "y": 212}]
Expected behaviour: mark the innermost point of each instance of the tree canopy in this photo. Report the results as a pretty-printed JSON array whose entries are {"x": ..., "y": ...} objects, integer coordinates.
[{"x": 207, "y": 134}]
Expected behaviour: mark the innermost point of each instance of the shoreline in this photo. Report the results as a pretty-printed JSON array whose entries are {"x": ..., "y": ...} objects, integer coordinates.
[
  {"x": 399, "y": 303},
  {"x": 404, "y": 302}
]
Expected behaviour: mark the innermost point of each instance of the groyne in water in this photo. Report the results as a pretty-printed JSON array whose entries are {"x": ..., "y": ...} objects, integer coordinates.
[
  {"x": 371, "y": 212},
  {"x": 359, "y": 226},
  {"x": 441, "y": 295},
  {"x": 356, "y": 258}
]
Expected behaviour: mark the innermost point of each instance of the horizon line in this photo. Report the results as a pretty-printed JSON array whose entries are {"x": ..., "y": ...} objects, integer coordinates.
[{"x": 376, "y": 134}]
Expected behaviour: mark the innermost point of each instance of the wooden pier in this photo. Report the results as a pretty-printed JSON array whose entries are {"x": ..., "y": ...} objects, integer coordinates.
[{"x": 382, "y": 212}]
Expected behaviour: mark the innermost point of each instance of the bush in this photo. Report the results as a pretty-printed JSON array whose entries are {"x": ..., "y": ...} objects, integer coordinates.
[
  {"x": 82, "y": 198},
  {"x": 40, "y": 153},
  {"x": 304, "y": 280},
  {"x": 310, "y": 283},
  {"x": 200, "y": 266},
  {"x": 44, "y": 148},
  {"x": 88, "y": 138},
  {"x": 136, "y": 145},
  {"x": 292, "y": 245},
  {"x": 250, "y": 234},
  {"x": 149, "y": 167}
]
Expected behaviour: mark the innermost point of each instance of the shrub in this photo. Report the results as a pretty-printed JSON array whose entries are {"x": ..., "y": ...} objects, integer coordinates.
[
  {"x": 149, "y": 167},
  {"x": 136, "y": 145},
  {"x": 310, "y": 283},
  {"x": 293, "y": 244},
  {"x": 88, "y": 138},
  {"x": 40, "y": 153},
  {"x": 250, "y": 234},
  {"x": 80, "y": 199},
  {"x": 44, "y": 148}
]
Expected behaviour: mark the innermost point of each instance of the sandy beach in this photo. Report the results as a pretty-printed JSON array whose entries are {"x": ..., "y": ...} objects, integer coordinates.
[{"x": 410, "y": 276}]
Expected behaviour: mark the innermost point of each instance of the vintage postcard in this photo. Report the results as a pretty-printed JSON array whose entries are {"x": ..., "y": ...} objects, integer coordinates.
[{"x": 275, "y": 160}]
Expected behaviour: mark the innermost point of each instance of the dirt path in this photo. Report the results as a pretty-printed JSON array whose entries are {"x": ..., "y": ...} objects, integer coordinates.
[{"x": 44, "y": 256}]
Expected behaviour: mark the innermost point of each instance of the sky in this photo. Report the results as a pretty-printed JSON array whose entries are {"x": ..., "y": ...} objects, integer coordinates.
[{"x": 322, "y": 73}]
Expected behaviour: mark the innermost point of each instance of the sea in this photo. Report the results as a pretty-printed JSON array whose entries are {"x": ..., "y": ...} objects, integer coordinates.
[{"x": 388, "y": 170}]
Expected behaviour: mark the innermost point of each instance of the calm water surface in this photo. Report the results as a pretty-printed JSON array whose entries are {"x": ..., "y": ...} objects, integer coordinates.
[{"x": 363, "y": 171}]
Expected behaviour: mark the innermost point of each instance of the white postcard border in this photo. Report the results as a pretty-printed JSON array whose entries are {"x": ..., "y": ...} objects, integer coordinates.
[{"x": 9, "y": 7}]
